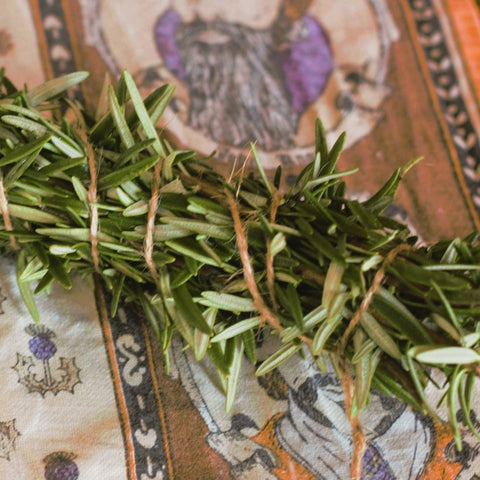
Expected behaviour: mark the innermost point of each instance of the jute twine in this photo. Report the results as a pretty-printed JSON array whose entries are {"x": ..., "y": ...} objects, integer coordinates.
[
  {"x": 266, "y": 314},
  {"x": 346, "y": 375},
  {"x": 367, "y": 299},
  {"x": 152, "y": 212},
  {"x": 347, "y": 379},
  {"x": 92, "y": 200}
]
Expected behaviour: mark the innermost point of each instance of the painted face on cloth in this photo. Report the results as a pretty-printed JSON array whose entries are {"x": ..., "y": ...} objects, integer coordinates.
[{"x": 246, "y": 83}]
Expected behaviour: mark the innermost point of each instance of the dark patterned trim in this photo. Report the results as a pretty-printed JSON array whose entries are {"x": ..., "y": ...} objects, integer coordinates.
[
  {"x": 136, "y": 380},
  {"x": 445, "y": 79},
  {"x": 58, "y": 42}
]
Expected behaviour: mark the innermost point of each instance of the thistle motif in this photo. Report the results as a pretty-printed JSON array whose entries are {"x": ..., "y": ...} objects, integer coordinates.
[
  {"x": 60, "y": 466},
  {"x": 41, "y": 345},
  {"x": 44, "y": 348}
]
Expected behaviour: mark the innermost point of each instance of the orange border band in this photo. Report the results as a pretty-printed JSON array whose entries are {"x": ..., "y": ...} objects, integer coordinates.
[
  {"x": 117, "y": 382},
  {"x": 465, "y": 16},
  {"x": 42, "y": 41},
  {"x": 68, "y": 10},
  {"x": 409, "y": 21}
]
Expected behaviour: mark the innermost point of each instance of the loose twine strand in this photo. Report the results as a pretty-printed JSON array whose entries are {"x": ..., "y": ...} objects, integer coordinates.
[
  {"x": 5, "y": 213},
  {"x": 359, "y": 441},
  {"x": 92, "y": 200},
  {"x": 152, "y": 212},
  {"x": 92, "y": 189},
  {"x": 248, "y": 272},
  {"x": 346, "y": 375},
  {"x": 367, "y": 299}
]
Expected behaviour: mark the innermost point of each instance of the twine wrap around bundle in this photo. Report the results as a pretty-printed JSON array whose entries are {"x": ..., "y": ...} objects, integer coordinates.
[
  {"x": 223, "y": 262},
  {"x": 92, "y": 198},
  {"x": 152, "y": 212}
]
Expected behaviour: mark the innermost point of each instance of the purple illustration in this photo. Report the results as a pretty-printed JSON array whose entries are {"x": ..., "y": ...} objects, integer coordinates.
[
  {"x": 246, "y": 84},
  {"x": 374, "y": 467},
  {"x": 41, "y": 345},
  {"x": 60, "y": 466},
  {"x": 307, "y": 63}
]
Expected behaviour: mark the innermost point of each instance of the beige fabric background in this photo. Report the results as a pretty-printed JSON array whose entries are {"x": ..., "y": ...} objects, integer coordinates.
[{"x": 114, "y": 413}]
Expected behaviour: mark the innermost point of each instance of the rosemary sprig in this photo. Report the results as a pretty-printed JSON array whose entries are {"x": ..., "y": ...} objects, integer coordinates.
[{"x": 220, "y": 261}]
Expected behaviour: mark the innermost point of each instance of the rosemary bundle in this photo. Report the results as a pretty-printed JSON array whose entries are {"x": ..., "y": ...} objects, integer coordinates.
[{"x": 224, "y": 261}]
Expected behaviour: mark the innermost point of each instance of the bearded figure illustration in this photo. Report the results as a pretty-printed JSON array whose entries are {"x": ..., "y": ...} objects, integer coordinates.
[
  {"x": 259, "y": 71},
  {"x": 247, "y": 84}
]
